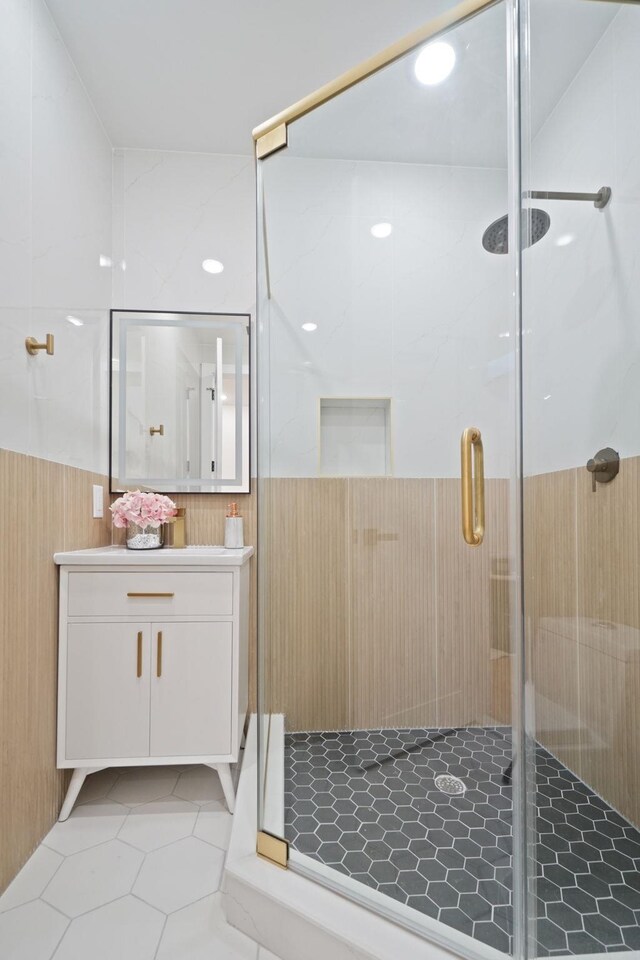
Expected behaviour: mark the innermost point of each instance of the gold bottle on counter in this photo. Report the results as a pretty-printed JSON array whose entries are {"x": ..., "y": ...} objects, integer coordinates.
[{"x": 177, "y": 530}]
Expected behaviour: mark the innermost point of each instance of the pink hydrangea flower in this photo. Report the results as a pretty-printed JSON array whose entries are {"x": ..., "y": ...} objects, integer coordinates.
[{"x": 143, "y": 509}]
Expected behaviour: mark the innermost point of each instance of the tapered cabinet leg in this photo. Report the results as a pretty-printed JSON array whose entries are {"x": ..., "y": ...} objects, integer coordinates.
[
  {"x": 77, "y": 779},
  {"x": 224, "y": 772}
]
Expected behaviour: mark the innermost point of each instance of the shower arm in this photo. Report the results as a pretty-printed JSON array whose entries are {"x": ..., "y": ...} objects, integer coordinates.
[{"x": 600, "y": 199}]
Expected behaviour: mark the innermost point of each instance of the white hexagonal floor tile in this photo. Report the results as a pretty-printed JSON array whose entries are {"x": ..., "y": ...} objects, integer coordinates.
[
  {"x": 97, "y": 785},
  {"x": 32, "y": 879},
  {"x": 127, "y": 929},
  {"x": 179, "y": 874},
  {"x": 143, "y": 784},
  {"x": 156, "y": 824},
  {"x": 200, "y": 785},
  {"x": 200, "y": 932},
  {"x": 214, "y": 824},
  {"x": 31, "y": 932},
  {"x": 90, "y": 824},
  {"x": 94, "y": 877}
]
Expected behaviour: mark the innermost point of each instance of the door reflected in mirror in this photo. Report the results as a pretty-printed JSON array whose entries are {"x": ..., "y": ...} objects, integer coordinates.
[{"x": 179, "y": 402}]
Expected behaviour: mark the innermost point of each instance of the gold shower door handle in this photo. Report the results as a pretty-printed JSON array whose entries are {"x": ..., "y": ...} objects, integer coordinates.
[
  {"x": 472, "y": 471},
  {"x": 139, "y": 662},
  {"x": 159, "y": 655}
]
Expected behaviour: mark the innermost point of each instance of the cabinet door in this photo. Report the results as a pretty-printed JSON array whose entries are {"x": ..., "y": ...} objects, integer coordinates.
[
  {"x": 108, "y": 685},
  {"x": 191, "y": 689}
]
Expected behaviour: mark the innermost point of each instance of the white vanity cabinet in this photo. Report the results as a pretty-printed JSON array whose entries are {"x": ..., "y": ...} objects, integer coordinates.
[{"x": 153, "y": 659}]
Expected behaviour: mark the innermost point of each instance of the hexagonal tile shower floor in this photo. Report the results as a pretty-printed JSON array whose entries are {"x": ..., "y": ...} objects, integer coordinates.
[{"x": 366, "y": 803}]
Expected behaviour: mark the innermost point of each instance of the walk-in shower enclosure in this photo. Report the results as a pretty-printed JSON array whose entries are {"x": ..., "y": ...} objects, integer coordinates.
[{"x": 449, "y": 480}]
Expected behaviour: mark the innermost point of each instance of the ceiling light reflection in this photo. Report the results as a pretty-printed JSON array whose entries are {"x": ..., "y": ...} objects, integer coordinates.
[
  {"x": 381, "y": 230},
  {"x": 212, "y": 266},
  {"x": 434, "y": 63}
]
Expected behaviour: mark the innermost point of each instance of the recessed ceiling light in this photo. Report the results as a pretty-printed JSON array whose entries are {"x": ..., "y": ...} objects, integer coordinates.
[
  {"x": 212, "y": 266},
  {"x": 381, "y": 230},
  {"x": 309, "y": 327},
  {"x": 75, "y": 321},
  {"x": 565, "y": 239},
  {"x": 434, "y": 63},
  {"x": 548, "y": 397},
  {"x": 105, "y": 261}
]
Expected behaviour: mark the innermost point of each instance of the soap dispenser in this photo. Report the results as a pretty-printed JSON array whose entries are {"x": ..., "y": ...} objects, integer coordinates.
[{"x": 233, "y": 529}]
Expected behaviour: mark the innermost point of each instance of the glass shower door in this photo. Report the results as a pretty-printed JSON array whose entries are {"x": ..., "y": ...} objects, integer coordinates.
[
  {"x": 388, "y": 490},
  {"x": 581, "y": 347}
]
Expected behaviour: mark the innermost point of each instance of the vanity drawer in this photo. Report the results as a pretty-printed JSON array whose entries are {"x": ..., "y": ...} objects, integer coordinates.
[{"x": 153, "y": 594}]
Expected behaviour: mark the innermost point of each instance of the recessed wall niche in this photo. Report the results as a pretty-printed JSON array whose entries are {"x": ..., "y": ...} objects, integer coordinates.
[{"x": 355, "y": 437}]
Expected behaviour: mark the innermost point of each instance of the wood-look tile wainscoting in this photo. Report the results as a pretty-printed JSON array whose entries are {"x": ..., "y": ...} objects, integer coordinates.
[
  {"x": 377, "y": 612},
  {"x": 205, "y": 524},
  {"x": 379, "y": 615},
  {"x": 582, "y": 596},
  {"x": 45, "y": 507}
]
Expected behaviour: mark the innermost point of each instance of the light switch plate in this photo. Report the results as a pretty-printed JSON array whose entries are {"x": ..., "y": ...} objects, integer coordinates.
[{"x": 98, "y": 501}]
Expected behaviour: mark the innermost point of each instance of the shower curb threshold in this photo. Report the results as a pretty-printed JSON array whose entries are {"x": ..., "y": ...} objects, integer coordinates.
[{"x": 286, "y": 912}]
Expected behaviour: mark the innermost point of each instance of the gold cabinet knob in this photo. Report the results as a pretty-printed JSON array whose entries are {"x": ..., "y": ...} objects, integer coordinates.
[{"x": 154, "y": 430}]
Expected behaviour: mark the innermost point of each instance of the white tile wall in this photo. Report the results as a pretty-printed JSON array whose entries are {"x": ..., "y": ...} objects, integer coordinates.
[
  {"x": 423, "y": 315},
  {"x": 72, "y": 214},
  {"x": 582, "y": 349},
  {"x": 171, "y": 212},
  {"x": 15, "y": 153},
  {"x": 55, "y": 224},
  {"x": 70, "y": 181},
  {"x": 417, "y": 316}
]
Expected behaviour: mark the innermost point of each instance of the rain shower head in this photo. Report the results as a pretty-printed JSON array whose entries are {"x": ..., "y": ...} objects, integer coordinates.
[
  {"x": 495, "y": 239},
  {"x": 535, "y": 222}
]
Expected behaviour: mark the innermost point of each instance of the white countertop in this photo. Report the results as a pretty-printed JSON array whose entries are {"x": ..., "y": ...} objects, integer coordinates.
[{"x": 204, "y": 556}]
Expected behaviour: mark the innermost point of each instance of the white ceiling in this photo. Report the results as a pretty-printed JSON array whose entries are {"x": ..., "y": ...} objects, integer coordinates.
[
  {"x": 462, "y": 121},
  {"x": 200, "y": 74},
  {"x": 390, "y": 116}
]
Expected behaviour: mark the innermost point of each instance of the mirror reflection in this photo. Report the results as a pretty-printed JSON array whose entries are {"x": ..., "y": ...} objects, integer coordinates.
[{"x": 180, "y": 402}]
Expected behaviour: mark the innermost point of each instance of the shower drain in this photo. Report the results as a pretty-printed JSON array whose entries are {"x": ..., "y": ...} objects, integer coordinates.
[{"x": 449, "y": 784}]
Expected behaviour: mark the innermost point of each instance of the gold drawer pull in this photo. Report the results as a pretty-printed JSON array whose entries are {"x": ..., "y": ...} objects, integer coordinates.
[
  {"x": 159, "y": 654},
  {"x": 139, "y": 671},
  {"x": 472, "y": 456},
  {"x": 151, "y": 594}
]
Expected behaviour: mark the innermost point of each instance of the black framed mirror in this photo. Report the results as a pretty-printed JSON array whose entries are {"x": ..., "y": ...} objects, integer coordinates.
[{"x": 179, "y": 402}]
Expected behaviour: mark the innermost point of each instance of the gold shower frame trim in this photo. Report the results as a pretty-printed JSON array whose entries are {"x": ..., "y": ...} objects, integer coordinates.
[{"x": 272, "y": 134}]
